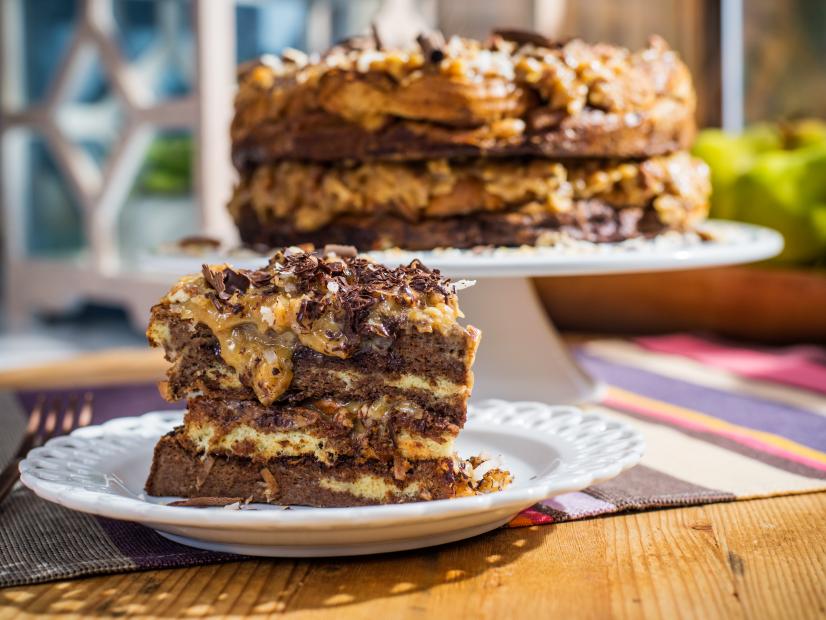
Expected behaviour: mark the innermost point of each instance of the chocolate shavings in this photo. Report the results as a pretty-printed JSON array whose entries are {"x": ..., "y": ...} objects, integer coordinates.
[
  {"x": 432, "y": 45},
  {"x": 226, "y": 282},
  {"x": 236, "y": 282},
  {"x": 374, "y": 30},
  {"x": 206, "y": 502}
]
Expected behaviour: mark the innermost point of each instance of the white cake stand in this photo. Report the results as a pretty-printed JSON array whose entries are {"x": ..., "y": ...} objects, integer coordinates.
[{"x": 522, "y": 356}]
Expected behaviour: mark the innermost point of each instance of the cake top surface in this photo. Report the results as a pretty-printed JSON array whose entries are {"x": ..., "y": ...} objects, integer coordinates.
[
  {"x": 333, "y": 277},
  {"x": 619, "y": 78},
  {"x": 514, "y": 93},
  {"x": 497, "y": 56}
]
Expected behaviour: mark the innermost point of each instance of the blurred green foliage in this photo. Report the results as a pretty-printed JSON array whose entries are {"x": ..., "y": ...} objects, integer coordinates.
[
  {"x": 167, "y": 169},
  {"x": 773, "y": 175}
]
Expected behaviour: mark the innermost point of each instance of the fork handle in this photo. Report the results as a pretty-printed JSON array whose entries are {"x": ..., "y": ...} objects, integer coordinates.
[{"x": 8, "y": 478}]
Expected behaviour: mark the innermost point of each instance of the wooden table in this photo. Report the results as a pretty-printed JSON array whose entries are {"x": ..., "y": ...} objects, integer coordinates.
[{"x": 758, "y": 559}]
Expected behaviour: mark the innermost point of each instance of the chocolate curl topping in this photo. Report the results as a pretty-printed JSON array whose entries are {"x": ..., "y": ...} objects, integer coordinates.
[
  {"x": 226, "y": 282},
  {"x": 304, "y": 263},
  {"x": 259, "y": 277},
  {"x": 214, "y": 278},
  {"x": 523, "y": 37},
  {"x": 374, "y": 30},
  {"x": 235, "y": 282},
  {"x": 432, "y": 45}
]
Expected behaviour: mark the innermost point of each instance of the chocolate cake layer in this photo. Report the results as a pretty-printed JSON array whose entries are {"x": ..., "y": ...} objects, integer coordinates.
[
  {"x": 305, "y": 481},
  {"x": 588, "y": 221},
  {"x": 320, "y": 137},
  {"x": 384, "y": 429},
  {"x": 507, "y": 96},
  {"x": 300, "y": 198},
  {"x": 430, "y": 370},
  {"x": 310, "y": 327}
]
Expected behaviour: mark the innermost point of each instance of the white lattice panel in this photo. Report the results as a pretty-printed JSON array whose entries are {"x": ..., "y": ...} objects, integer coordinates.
[{"x": 99, "y": 273}]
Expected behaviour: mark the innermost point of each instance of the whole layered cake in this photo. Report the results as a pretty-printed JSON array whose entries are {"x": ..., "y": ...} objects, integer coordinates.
[
  {"x": 322, "y": 379},
  {"x": 515, "y": 140}
]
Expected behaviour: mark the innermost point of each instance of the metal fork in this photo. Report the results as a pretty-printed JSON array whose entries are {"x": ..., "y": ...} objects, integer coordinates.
[{"x": 40, "y": 428}]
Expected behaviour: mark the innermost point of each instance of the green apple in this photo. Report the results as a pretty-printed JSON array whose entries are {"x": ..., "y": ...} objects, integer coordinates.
[{"x": 772, "y": 176}]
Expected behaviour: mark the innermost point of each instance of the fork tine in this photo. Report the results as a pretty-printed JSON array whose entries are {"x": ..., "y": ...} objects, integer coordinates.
[
  {"x": 36, "y": 414},
  {"x": 85, "y": 417},
  {"x": 68, "y": 422},
  {"x": 33, "y": 424},
  {"x": 50, "y": 423}
]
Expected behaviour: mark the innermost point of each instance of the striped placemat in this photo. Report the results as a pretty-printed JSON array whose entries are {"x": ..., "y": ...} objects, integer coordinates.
[{"x": 722, "y": 422}]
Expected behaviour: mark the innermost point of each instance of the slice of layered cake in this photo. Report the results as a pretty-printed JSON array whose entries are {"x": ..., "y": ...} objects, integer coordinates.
[{"x": 322, "y": 379}]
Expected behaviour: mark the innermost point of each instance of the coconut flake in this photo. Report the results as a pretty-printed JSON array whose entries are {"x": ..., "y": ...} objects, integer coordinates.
[
  {"x": 180, "y": 296},
  {"x": 267, "y": 315}
]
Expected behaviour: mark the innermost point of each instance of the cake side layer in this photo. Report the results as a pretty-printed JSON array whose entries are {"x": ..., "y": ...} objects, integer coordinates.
[
  {"x": 303, "y": 481},
  {"x": 587, "y": 221},
  {"x": 268, "y": 330},
  {"x": 320, "y": 137},
  {"x": 432, "y": 370},
  {"x": 509, "y": 95},
  {"x": 307, "y": 197},
  {"x": 384, "y": 429}
]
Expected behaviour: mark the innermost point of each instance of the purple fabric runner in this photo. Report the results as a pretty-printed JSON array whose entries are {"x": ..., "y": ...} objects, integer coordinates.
[
  {"x": 149, "y": 550},
  {"x": 115, "y": 401},
  {"x": 805, "y": 427}
]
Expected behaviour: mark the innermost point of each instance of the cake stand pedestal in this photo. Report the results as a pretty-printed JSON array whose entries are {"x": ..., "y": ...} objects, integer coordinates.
[{"x": 522, "y": 356}]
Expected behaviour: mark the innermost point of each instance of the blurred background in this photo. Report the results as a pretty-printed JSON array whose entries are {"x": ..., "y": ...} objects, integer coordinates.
[{"x": 114, "y": 129}]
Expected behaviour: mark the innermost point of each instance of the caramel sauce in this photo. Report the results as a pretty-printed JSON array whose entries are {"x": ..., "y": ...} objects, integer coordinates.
[
  {"x": 264, "y": 355},
  {"x": 374, "y": 410},
  {"x": 258, "y": 332}
]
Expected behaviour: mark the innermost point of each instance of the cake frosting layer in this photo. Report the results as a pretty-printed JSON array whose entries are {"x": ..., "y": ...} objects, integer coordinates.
[
  {"x": 328, "y": 430},
  {"x": 587, "y": 220},
  {"x": 514, "y": 94},
  {"x": 404, "y": 204},
  {"x": 432, "y": 370}
]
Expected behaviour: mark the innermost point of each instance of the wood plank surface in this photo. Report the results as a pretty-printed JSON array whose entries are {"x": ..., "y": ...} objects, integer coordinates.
[
  {"x": 105, "y": 367},
  {"x": 752, "y": 559}
]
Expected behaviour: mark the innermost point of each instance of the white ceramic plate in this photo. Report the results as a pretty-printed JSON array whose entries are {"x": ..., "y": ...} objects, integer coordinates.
[
  {"x": 732, "y": 243},
  {"x": 549, "y": 450}
]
